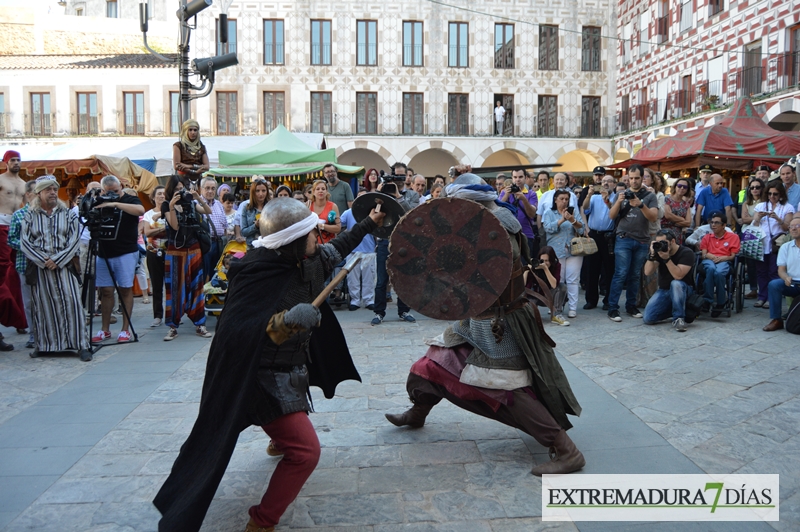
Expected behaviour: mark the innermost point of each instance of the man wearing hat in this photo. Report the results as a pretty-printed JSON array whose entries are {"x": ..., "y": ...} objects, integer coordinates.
[
  {"x": 12, "y": 192},
  {"x": 704, "y": 173},
  {"x": 597, "y": 180},
  {"x": 762, "y": 173},
  {"x": 49, "y": 239}
]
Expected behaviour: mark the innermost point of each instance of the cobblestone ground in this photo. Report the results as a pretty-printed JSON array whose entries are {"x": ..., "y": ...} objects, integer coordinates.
[{"x": 85, "y": 447}]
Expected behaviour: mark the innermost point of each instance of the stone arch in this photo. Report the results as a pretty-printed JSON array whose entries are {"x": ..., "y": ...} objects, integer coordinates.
[
  {"x": 622, "y": 154},
  {"x": 600, "y": 155},
  {"x": 784, "y": 115},
  {"x": 373, "y": 154},
  {"x": 441, "y": 145},
  {"x": 514, "y": 146},
  {"x": 432, "y": 161}
]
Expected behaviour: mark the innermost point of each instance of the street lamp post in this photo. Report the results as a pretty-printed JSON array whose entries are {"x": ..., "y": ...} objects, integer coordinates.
[{"x": 204, "y": 68}]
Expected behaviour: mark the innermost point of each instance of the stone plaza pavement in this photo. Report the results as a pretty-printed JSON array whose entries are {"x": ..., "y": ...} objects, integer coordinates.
[{"x": 85, "y": 446}]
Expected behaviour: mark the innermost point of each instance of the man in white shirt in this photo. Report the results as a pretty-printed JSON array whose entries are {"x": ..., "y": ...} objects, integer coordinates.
[
  {"x": 499, "y": 116},
  {"x": 788, "y": 282}
]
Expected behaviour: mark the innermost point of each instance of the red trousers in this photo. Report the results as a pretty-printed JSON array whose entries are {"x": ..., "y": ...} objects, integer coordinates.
[{"x": 295, "y": 436}]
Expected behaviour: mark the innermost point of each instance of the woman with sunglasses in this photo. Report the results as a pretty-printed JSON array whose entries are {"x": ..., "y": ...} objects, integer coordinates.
[
  {"x": 754, "y": 194},
  {"x": 773, "y": 216},
  {"x": 678, "y": 209}
]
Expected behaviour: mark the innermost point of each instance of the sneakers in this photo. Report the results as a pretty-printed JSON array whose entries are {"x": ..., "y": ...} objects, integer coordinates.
[
  {"x": 171, "y": 335},
  {"x": 572, "y": 314},
  {"x": 202, "y": 332},
  {"x": 405, "y": 316},
  {"x": 633, "y": 312},
  {"x": 558, "y": 319},
  {"x": 613, "y": 315},
  {"x": 370, "y": 307},
  {"x": 31, "y": 342},
  {"x": 124, "y": 336},
  {"x": 101, "y": 336},
  {"x": 156, "y": 323},
  {"x": 679, "y": 325},
  {"x": 377, "y": 320}
]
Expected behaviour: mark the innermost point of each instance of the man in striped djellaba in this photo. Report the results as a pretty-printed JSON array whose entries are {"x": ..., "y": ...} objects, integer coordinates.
[{"x": 49, "y": 239}]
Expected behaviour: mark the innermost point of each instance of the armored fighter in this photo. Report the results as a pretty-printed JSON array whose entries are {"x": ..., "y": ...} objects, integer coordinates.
[{"x": 498, "y": 362}]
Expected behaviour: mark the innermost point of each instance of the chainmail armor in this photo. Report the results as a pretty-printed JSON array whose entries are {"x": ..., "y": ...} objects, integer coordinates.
[{"x": 478, "y": 333}]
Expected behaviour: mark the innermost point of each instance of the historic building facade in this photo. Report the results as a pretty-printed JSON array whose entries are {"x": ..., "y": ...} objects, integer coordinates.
[{"x": 681, "y": 63}]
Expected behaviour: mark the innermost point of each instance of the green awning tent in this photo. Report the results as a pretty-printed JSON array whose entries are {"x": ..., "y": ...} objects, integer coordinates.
[{"x": 280, "y": 154}]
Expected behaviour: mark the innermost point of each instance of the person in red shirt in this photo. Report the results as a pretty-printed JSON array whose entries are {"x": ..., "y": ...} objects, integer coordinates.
[{"x": 718, "y": 249}]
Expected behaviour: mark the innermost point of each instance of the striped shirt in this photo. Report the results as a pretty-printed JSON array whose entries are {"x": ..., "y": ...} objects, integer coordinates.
[{"x": 52, "y": 236}]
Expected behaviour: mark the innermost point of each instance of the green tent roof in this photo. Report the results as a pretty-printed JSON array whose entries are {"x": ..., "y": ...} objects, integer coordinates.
[
  {"x": 279, "y": 148},
  {"x": 281, "y": 170}
]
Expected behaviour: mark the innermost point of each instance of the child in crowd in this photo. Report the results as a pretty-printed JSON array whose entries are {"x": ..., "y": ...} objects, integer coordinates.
[
  {"x": 361, "y": 281},
  {"x": 220, "y": 279}
]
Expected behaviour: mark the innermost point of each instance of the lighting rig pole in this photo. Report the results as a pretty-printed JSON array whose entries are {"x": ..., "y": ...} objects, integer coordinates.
[{"x": 204, "y": 68}]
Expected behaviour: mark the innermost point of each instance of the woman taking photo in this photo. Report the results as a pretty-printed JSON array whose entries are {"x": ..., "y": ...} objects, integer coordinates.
[
  {"x": 259, "y": 192},
  {"x": 329, "y": 223},
  {"x": 183, "y": 269},
  {"x": 549, "y": 271},
  {"x": 753, "y": 196},
  {"x": 155, "y": 231},
  {"x": 678, "y": 209},
  {"x": 371, "y": 180},
  {"x": 562, "y": 226},
  {"x": 773, "y": 215}
]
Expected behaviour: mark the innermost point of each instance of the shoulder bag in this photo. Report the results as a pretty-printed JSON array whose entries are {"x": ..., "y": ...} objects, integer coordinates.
[{"x": 580, "y": 246}]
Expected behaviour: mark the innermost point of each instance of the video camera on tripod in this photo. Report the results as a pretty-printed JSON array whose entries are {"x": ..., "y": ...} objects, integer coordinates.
[
  {"x": 103, "y": 224},
  {"x": 390, "y": 182}
]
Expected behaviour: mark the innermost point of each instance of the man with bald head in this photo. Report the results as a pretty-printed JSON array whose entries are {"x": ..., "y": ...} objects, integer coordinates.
[
  {"x": 12, "y": 192},
  {"x": 418, "y": 185},
  {"x": 715, "y": 198}
]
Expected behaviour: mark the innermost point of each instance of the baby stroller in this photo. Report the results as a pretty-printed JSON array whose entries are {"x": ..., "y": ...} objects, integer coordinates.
[{"x": 215, "y": 295}]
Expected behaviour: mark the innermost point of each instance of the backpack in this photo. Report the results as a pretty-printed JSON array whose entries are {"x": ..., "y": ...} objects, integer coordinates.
[{"x": 792, "y": 323}]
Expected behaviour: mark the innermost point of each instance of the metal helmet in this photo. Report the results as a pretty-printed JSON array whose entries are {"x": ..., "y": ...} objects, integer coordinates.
[
  {"x": 281, "y": 213},
  {"x": 469, "y": 179}
]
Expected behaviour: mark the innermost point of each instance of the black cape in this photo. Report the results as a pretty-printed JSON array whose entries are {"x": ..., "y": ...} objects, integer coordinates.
[{"x": 257, "y": 285}]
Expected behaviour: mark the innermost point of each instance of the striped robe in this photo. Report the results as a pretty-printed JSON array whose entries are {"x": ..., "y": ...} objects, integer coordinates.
[{"x": 56, "y": 297}]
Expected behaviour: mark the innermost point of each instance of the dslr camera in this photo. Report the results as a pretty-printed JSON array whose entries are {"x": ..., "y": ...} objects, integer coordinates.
[
  {"x": 514, "y": 189},
  {"x": 661, "y": 246},
  {"x": 629, "y": 194},
  {"x": 103, "y": 224}
]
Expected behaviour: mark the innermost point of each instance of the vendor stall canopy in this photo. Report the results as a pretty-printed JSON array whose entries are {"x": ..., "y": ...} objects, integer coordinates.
[
  {"x": 280, "y": 154},
  {"x": 741, "y": 140},
  {"x": 72, "y": 172}
]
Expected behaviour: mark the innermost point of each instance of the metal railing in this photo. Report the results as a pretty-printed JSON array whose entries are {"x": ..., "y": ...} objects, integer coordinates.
[
  {"x": 750, "y": 81},
  {"x": 270, "y": 122},
  {"x": 320, "y": 54},
  {"x": 273, "y": 54},
  {"x": 412, "y": 55},
  {"x": 783, "y": 72},
  {"x": 41, "y": 125},
  {"x": 87, "y": 124},
  {"x": 2, "y": 124},
  {"x": 134, "y": 124}
]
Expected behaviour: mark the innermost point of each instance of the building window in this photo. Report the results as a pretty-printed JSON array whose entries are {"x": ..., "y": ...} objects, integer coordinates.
[
  {"x": 274, "y": 110},
  {"x": 715, "y": 6},
  {"x": 2, "y": 114},
  {"x": 504, "y": 46},
  {"x": 548, "y": 116},
  {"x": 751, "y": 74},
  {"x": 590, "y": 49},
  {"x": 79, "y": 12},
  {"x": 684, "y": 103},
  {"x": 367, "y": 42},
  {"x": 133, "y": 103},
  {"x": 320, "y": 42},
  {"x": 321, "y": 112},
  {"x": 412, "y": 113},
  {"x": 625, "y": 114},
  {"x": 590, "y": 116},
  {"x": 662, "y": 22},
  {"x": 227, "y": 113},
  {"x": 644, "y": 33},
  {"x": 686, "y": 15},
  {"x": 458, "y": 45},
  {"x": 87, "y": 113},
  {"x": 273, "y": 42},
  {"x": 457, "y": 114},
  {"x": 111, "y": 9},
  {"x": 793, "y": 57},
  {"x": 174, "y": 112},
  {"x": 412, "y": 43},
  {"x": 230, "y": 46},
  {"x": 548, "y": 47},
  {"x": 367, "y": 112}
]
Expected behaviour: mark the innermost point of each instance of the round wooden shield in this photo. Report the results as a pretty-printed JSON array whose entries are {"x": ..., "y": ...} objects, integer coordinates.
[{"x": 449, "y": 259}]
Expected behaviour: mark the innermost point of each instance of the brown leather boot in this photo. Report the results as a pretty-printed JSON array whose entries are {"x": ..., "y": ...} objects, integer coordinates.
[
  {"x": 564, "y": 458},
  {"x": 253, "y": 527},
  {"x": 414, "y": 417}
]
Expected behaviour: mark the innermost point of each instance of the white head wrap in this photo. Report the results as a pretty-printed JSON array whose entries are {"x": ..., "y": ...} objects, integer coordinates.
[
  {"x": 471, "y": 192},
  {"x": 290, "y": 234}
]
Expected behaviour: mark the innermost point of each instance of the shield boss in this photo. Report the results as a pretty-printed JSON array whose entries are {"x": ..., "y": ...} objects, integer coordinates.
[{"x": 449, "y": 259}]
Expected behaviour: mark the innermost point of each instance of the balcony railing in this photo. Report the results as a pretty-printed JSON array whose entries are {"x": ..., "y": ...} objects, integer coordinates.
[
  {"x": 2, "y": 124},
  {"x": 750, "y": 81},
  {"x": 41, "y": 125}
]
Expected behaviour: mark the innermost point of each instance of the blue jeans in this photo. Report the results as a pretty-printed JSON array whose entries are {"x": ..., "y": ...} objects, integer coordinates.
[
  {"x": 776, "y": 290},
  {"x": 629, "y": 257},
  {"x": 715, "y": 279},
  {"x": 666, "y": 303},
  {"x": 382, "y": 253}
]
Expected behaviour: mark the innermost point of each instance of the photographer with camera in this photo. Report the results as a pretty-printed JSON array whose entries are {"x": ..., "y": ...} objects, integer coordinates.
[
  {"x": 390, "y": 184},
  {"x": 117, "y": 258},
  {"x": 560, "y": 182},
  {"x": 400, "y": 176},
  {"x": 636, "y": 207},
  {"x": 675, "y": 284},
  {"x": 183, "y": 272},
  {"x": 596, "y": 206},
  {"x": 526, "y": 204}
]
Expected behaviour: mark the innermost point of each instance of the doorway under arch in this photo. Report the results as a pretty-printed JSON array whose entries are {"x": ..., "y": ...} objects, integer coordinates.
[{"x": 432, "y": 162}]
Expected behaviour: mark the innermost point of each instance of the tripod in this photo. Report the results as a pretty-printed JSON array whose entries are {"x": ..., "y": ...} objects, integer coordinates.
[{"x": 88, "y": 290}]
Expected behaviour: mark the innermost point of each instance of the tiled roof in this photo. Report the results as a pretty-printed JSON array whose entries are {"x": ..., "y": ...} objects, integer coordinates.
[{"x": 48, "y": 62}]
